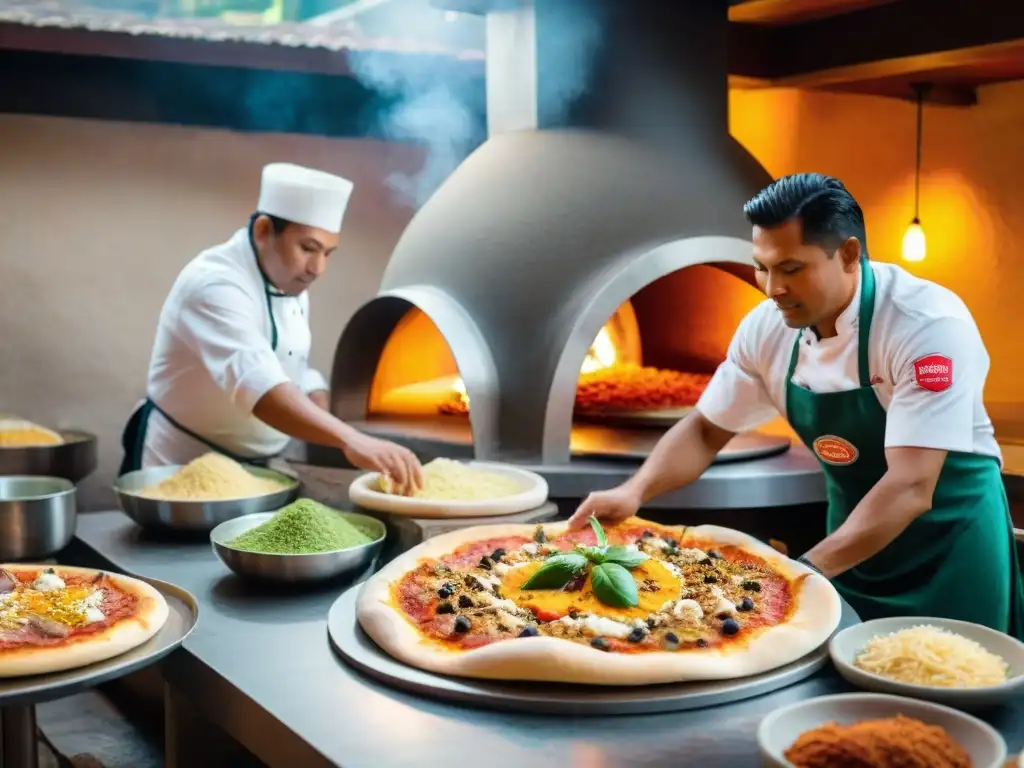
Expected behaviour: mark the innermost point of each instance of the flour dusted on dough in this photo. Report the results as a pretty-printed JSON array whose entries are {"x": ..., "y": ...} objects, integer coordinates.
[{"x": 448, "y": 480}]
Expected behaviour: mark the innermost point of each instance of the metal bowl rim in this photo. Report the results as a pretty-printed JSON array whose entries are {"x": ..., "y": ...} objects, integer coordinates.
[
  {"x": 357, "y": 548},
  {"x": 68, "y": 488},
  {"x": 291, "y": 485}
]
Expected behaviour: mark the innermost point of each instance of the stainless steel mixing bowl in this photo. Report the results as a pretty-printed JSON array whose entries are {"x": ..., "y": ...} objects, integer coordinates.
[
  {"x": 297, "y": 568},
  {"x": 194, "y": 515},
  {"x": 37, "y": 516},
  {"x": 74, "y": 460}
]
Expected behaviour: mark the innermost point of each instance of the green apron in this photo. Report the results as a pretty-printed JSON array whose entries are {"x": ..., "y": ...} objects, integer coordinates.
[
  {"x": 958, "y": 560},
  {"x": 133, "y": 437}
]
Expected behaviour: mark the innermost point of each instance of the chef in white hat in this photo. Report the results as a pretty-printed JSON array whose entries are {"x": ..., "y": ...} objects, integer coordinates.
[{"x": 230, "y": 367}]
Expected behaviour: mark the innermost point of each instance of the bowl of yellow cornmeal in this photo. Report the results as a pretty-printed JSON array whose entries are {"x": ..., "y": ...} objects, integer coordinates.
[
  {"x": 27, "y": 448},
  {"x": 202, "y": 494}
]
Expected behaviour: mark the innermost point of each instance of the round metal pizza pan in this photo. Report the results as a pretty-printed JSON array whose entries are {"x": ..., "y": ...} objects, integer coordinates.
[
  {"x": 358, "y": 650},
  {"x": 181, "y": 619}
]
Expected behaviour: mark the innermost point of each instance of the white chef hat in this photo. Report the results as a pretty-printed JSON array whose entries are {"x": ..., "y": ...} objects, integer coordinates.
[{"x": 304, "y": 196}]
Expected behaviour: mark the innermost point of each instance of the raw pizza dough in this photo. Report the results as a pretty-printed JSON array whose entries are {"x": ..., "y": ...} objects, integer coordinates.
[
  {"x": 149, "y": 615},
  {"x": 551, "y": 659}
]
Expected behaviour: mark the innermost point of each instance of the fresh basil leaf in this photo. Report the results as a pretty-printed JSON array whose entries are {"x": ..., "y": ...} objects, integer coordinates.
[
  {"x": 614, "y": 585},
  {"x": 602, "y": 540},
  {"x": 627, "y": 557},
  {"x": 557, "y": 571}
]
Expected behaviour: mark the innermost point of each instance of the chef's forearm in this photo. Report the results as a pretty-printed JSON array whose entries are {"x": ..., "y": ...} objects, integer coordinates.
[
  {"x": 288, "y": 409},
  {"x": 321, "y": 399},
  {"x": 680, "y": 457},
  {"x": 882, "y": 515}
]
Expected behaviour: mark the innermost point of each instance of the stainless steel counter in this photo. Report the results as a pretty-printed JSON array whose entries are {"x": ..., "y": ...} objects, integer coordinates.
[
  {"x": 259, "y": 666},
  {"x": 788, "y": 479}
]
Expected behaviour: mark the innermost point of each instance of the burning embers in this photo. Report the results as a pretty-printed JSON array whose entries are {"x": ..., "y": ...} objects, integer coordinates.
[{"x": 614, "y": 389}]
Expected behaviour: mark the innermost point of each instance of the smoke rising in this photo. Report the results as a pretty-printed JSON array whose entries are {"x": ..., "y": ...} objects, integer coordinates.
[
  {"x": 569, "y": 34},
  {"x": 431, "y": 103},
  {"x": 436, "y": 103}
]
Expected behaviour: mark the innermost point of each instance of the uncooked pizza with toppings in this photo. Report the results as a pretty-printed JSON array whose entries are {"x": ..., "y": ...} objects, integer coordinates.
[
  {"x": 638, "y": 603},
  {"x": 59, "y": 617}
]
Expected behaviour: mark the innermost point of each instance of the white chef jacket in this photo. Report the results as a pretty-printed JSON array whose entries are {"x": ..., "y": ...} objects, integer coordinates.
[
  {"x": 213, "y": 359},
  {"x": 913, "y": 320}
]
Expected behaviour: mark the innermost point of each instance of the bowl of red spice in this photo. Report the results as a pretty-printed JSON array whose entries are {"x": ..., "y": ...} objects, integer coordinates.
[{"x": 877, "y": 731}]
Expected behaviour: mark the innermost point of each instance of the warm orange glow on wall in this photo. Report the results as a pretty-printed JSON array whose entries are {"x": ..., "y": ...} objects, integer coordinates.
[{"x": 970, "y": 191}]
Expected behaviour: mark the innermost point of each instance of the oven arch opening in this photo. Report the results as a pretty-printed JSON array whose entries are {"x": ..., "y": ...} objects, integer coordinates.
[
  {"x": 688, "y": 296},
  {"x": 399, "y": 345}
]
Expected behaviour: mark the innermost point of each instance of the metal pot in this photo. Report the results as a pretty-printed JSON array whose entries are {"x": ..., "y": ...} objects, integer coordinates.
[
  {"x": 37, "y": 516},
  {"x": 74, "y": 459}
]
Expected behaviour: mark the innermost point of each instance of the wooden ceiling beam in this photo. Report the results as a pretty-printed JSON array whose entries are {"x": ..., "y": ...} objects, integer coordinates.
[
  {"x": 898, "y": 74},
  {"x": 882, "y": 33},
  {"x": 779, "y": 12},
  {"x": 940, "y": 94}
]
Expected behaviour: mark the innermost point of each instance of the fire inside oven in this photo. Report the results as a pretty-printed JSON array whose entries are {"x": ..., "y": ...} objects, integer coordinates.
[{"x": 648, "y": 365}]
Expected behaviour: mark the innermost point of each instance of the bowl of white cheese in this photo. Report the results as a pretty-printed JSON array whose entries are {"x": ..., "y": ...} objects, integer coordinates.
[{"x": 958, "y": 663}]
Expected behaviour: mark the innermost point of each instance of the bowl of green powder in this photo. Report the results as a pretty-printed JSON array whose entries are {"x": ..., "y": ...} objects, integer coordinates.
[{"x": 304, "y": 541}]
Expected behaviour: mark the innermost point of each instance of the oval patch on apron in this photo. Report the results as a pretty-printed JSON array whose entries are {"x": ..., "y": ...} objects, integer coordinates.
[{"x": 834, "y": 450}]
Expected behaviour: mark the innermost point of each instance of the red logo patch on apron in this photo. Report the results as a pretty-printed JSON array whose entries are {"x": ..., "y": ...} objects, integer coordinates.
[
  {"x": 834, "y": 450},
  {"x": 933, "y": 372}
]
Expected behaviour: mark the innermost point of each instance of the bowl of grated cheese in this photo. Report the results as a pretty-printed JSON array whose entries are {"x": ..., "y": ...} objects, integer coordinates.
[
  {"x": 455, "y": 489},
  {"x": 958, "y": 663},
  {"x": 202, "y": 494}
]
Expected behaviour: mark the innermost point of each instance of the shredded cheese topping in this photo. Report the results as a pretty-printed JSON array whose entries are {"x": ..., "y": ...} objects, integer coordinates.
[
  {"x": 448, "y": 480},
  {"x": 927, "y": 655},
  {"x": 73, "y": 606}
]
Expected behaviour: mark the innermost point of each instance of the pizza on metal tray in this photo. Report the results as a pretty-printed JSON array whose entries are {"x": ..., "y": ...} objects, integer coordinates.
[
  {"x": 637, "y": 604},
  {"x": 59, "y": 617}
]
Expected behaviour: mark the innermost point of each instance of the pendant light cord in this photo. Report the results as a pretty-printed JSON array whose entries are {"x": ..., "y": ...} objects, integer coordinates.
[{"x": 920, "y": 89}]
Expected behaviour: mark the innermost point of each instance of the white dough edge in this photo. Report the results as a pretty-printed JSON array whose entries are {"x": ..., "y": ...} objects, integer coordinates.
[
  {"x": 362, "y": 492},
  {"x": 105, "y": 644},
  {"x": 550, "y": 659}
]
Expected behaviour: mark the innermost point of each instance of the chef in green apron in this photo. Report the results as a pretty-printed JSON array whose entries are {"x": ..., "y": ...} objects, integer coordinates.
[
  {"x": 881, "y": 375},
  {"x": 230, "y": 367}
]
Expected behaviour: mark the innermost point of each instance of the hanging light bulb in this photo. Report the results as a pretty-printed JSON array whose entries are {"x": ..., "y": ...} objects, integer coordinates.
[{"x": 914, "y": 245}]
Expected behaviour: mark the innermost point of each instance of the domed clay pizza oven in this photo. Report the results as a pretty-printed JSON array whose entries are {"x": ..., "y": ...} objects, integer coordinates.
[{"x": 567, "y": 292}]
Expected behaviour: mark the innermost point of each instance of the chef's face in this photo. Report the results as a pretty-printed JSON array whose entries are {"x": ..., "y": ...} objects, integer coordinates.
[
  {"x": 294, "y": 257},
  {"x": 809, "y": 285}
]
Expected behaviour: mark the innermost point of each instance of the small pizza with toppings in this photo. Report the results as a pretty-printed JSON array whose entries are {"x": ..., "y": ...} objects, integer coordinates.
[
  {"x": 60, "y": 617},
  {"x": 636, "y": 604}
]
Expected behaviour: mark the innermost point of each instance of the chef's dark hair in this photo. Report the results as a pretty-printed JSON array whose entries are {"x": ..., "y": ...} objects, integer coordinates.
[
  {"x": 828, "y": 214},
  {"x": 277, "y": 224}
]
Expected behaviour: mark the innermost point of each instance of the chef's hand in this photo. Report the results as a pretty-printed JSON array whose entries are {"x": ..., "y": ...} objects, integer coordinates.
[
  {"x": 398, "y": 463},
  {"x": 611, "y": 506}
]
